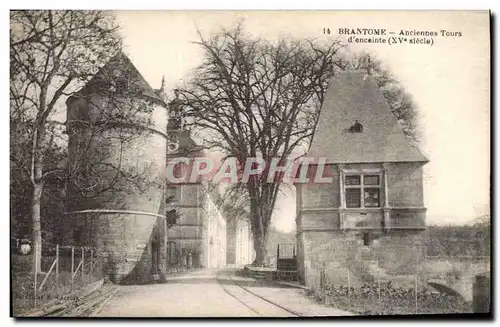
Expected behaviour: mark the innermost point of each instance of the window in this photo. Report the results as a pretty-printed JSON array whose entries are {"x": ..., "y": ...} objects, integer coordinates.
[
  {"x": 172, "y": 252},
  {"x": 173, "y": 194},
  {"x": 367, "y": 239},
  {"x": 172, "y": 217},
  {"x": 362, "y": 191},
  {"x": 353, "y": 197}
]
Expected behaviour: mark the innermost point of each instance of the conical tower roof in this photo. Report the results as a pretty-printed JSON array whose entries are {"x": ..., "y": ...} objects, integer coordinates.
[
  {"x": 120, "y": 75},
  {"x": 354, "y": 98}
]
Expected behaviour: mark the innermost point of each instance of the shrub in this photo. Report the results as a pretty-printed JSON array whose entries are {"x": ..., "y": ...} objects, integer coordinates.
[{"x": 394, "y": 300}]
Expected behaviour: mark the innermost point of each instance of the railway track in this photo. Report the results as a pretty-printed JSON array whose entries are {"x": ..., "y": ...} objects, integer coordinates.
[
  {"x": 257, "y": 304},
  {"x": 84, "y": 307}
]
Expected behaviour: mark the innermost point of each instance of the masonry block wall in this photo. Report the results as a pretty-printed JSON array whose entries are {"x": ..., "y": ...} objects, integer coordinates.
[
  {"x": 125, "y": 220},
  {"x": 187, "y": 232},
  {"x": 245, "y": 253},
  {"x": 240, "y": 249},
  {"x": 214, "y": 235},
  {"x": 333, "y": 237},
  {"x": 231, "y": 242},
  {"x": 131, "y": 244},
  {"x": 200, "y": 232}
]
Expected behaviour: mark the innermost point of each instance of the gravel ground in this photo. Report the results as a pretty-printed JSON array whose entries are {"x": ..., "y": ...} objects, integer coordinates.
[
  {"x": 195, "y": 294},
  {"x": 201, "y": 294}
]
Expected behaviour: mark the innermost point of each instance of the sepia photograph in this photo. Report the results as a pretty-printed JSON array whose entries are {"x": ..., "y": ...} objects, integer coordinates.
[{"x": 250, "y": 164}]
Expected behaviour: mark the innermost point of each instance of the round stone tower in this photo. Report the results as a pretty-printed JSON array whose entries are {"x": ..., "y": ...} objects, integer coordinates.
[{"x": 117, "y": 143}]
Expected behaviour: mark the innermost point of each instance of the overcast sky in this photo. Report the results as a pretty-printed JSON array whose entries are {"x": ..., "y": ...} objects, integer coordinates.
[{"x": 448, "y": 80}]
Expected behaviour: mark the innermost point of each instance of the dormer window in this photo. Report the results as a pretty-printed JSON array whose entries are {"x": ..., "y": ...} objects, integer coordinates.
[{"x": 356, "y": 128}]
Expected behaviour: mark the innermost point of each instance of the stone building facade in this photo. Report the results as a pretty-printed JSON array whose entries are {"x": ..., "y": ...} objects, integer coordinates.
[
  {"x": 369, "y": 218},
  {"x": 240, "y": 250},
  {"x": 198, "y": 237},
  {"x": 214, "y": 235},
  {"x": 127, "y": 222}
]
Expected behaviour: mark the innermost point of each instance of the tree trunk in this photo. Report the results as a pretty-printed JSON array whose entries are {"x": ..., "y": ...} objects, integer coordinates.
[
  {"x": 260, "y": 248},
  {"x": 37, "y": 180},
  {"x": 37, "y": 230},
  {"x": 262, "y": 198},
  {"x": 259, "y": 231}
]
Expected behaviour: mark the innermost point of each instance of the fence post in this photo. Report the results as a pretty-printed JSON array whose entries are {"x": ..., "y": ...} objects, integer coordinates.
[
  {"x": 72, "y": 267},
  {"x": 416, "y": 302},
  {"x": 83, "y": 265},
  {"x": 91, "y": 264},
  {"x": 316, "y": 283},
  {"x": 318, "y": 280},
  {"x": 349, "y": 285},
  {"x": 323, "y": 283},
  {"x": 57, "y": 271},
  {"x": 378, "y": 278}
]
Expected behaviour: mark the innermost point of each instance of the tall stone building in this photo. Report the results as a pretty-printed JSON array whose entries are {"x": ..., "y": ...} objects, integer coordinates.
[
  {"x": 240, "y": 250},
  {"x": 117, "y": 124},
  {"x": 370, "y": 218},
  {"x": 198, "y": 237}
]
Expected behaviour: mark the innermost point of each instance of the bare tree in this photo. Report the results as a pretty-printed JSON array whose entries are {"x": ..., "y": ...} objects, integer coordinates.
[
  {"x": 51, "y": 53},
  {"x": 233, "y": 202},
  {"x": 255, "y": 98},
  {"x": 400, "y": 101}
]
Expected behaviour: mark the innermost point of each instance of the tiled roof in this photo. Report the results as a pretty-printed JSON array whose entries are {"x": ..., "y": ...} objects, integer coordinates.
[
  {"x": 355, "y": 96},
  {"x": 120, "y": 74}
]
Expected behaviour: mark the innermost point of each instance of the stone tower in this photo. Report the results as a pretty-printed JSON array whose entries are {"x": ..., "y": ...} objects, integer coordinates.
[
  {"x": 117, "y": 130},
  {"x": 370, "y": 218}
]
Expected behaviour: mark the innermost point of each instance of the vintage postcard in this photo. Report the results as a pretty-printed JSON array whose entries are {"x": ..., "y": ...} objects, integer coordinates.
[{"x": 249, "y": 163}]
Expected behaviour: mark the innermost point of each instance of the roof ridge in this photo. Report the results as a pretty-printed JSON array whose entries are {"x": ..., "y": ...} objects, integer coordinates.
[
  {"x": 355, "y": 96},
  {"x": 108, "y": 73}
]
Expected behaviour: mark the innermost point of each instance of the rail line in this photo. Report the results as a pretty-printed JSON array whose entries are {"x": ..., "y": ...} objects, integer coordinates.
[
  {"x": 83, "y": 308},
  {"x": 239, "y": 298}
]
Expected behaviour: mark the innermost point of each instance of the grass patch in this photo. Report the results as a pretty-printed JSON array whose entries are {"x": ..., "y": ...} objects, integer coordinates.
[{"x": 22, "y": 282}]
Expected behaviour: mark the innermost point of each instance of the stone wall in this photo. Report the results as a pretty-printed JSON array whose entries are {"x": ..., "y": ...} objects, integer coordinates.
[
  {"x": 398, "y": 252},
  {"x": 200, "y": 232},
  {"x": 126, "y": 241},
  {"x": 187, "y": 233},
  {"x": 405, "y": 185},
  {"x": 245, "y": 253},
  {"x": 392, "y": 245},
  {"x": 321, "y": 195},
  {"x": 240, "y": 249},
  {"x": 214, "y": 235},
  {"x": 231, "y": 242},
  {"x": 123, "y": 220}
]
